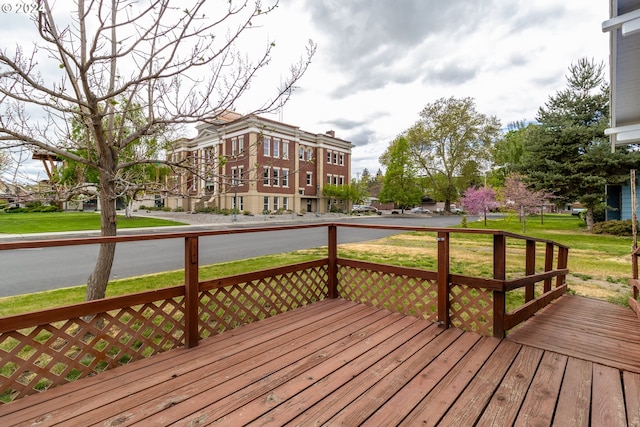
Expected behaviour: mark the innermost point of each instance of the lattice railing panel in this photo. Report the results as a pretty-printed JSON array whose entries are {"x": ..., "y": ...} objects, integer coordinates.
[
  {"x": 48, "y": 355},
  {"x": 471, "y": 309},
  {"x": 401, "y": 293},
  {"x": 228, "y": 307}
]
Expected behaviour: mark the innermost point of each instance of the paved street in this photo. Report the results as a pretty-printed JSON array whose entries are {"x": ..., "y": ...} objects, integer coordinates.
[{"x": 32, "y": 270}]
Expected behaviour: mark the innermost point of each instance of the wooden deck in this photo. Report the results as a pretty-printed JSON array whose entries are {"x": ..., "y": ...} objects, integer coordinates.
[{"x": 336, "y": 362}]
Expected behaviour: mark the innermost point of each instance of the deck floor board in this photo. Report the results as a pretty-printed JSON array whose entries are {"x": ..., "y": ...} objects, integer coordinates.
[{"x": 341, "y": 363}]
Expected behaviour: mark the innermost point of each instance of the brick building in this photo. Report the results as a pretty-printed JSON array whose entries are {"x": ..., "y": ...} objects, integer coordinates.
[{"x": 259, "y": 164}]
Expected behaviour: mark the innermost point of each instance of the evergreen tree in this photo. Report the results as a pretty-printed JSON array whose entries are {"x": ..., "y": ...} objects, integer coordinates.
[{"x": 567, "y": 154}]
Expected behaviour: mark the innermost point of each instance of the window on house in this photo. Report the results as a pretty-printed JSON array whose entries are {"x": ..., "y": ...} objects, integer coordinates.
[
  {"x": 241, "y": 176},
  {"x": 275, "y": 203},
  {"x": 341, "y": 159},
  {"x": 341, "y": 180},
  {"x": 301, "y": 153},
  {"x": 285, "y": 149},
  {"x": 276, "y": 147},
  {"x": 241, "y": 202},
  {"x": 240, "y": 144},
  {"x": 285, "y": 203},
  {"x": 309, "y": 178},
  {"x": 329, "y": 179},
  {"x": 285, "y": 177},
  {"x": 335, "y": 158},
  {"x": 265, "y": 204},
  {"x": 335, "y": 180},
  {"x": 329, "y": 157},
  {"x": 309, "y": 154},
  {"x": 266, "y": 175},
  {"x": 234, "y": 146},
  {"x": 276, "y": 177},
  {"x": 234, "y": 176},
  {"x": 266, "y": 143}
]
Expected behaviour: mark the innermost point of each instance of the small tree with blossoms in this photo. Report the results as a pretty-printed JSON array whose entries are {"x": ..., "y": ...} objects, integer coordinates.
[
  {"x": 517, "y": 196},
  {"x": 479, "y": 201}
]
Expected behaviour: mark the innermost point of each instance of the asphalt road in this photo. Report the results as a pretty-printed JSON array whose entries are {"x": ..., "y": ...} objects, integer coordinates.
[{"x": 33, "y": 270}]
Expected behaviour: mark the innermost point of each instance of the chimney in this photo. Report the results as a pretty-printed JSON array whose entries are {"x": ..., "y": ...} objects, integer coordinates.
[{"x": 331, "y": 133}]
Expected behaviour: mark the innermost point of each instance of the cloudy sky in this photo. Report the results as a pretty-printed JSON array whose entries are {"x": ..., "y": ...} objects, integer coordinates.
[{"x": 379, "y": 62}]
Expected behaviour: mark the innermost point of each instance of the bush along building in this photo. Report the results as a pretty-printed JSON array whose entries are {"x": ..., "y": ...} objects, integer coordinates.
[{"x": 257, "y": 165}]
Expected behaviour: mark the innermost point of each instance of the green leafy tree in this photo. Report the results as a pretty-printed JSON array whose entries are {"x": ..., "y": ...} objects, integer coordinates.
[
  {"x": 170, "y": 66},
  {"x": 450, "y": 135},
  {"x": 400, "y": 184},
  {"x": 508, "y": 152},
  {"x": 567, "y": 153},
  {"x": 352, "y": 193}
]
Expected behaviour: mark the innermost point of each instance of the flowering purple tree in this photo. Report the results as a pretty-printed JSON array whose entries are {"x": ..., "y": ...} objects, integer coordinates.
[
  {"x": 479, "y": 201},
  {"x": 517, "y": 196}
]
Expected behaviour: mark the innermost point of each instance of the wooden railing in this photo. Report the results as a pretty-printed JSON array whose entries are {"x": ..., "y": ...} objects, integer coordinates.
[{"x": 51, "y": 347}]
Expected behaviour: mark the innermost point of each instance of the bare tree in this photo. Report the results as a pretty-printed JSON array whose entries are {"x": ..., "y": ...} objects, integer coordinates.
[{"x": 128, "y": 70}]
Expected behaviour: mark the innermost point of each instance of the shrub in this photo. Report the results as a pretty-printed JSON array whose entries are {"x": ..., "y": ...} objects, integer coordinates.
[
  {"x": 178, "y": 209},
  {"x": 614, "y": 227}
]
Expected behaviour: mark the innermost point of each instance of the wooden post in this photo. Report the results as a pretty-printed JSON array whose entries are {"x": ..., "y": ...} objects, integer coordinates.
[
  {"x": 548, "y": 264},
  {"x": 191, "y": 291},
  {"x": 443, "y": 279},
  {"x": 563, "y": 257},
  {"x": 530, "y": 268},
  {"x": 332, "y": 285},
  {"x": 499, "y": 272}
]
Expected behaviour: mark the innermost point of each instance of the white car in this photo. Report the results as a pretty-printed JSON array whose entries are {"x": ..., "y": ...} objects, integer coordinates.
[{"x": 420, "y": 210}]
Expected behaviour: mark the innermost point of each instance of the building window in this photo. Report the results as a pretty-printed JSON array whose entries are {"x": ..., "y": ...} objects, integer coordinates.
[
  {"x": 285, "y": 203},
  {"x": 265, "y": 204},
  {"x": 240, "y": 144},
  {"x": 341, "y": 180},
  {"x": 285, "y": 177},
  {"x": 266, "y": 143},
  {"x": 234, "y": 146},
  {"x": 234, "y": 176},
  {"x": 241, "y": 200},
  {"x": 329, "y": 179},
  {"x": 285, "y": 149},
  {"x": 266, "y": 175},
  {"x": 309, "y": 178},
  {"x": 275, "y": 203},
  {"x": 276, "y": 147},
  {"x": 276, "y": 177},
  {"x": 309, "y": 154},
  {"x": 341, "y": 159},
  {"x": 301, "y": 153},
  {"x": 335, "y": 158},
  {"x": 335, "y": 180},
  {"x": 329, "y": 157}
]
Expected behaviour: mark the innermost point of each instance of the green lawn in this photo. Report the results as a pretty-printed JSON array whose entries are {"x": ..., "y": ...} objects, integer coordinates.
[{"x": 23, "y": 223}]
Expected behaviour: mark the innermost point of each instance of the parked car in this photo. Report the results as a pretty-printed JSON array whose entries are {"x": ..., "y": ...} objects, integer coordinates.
[
  {"x": 420, "y": 210},
  {"x": 364, "y": 209}
]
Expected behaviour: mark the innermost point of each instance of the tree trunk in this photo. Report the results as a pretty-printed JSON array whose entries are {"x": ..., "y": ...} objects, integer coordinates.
[
  {"x": 97, "y": 282},
  {"x": 590, "y": 220}
]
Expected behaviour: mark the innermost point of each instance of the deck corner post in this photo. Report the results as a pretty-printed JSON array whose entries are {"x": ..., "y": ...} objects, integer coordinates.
[
  {"x": 563, "y": 260},
  {"x": 332, "y": 284},
  {"x": 444, "y": 318},
  {"x": 500, "y": 273},
  {"x": 191, "y": 291}
]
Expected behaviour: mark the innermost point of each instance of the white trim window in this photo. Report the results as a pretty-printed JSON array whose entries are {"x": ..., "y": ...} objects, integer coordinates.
[
  {"x": 309, "y": 154},
  {"x": 266, "y": 175},
  {"x": 285, "y": 177},
  {"x": 241, "y": 144},
  {"x": 276, "y": 177},
  {"x": 276, "y": 204},
  {"x": 265, "y": 204},
  {"x": 341, "y": 159},
  {"x": 309, "y": 178},
  {"x": 301, "y": 153},
  {"x": 266, "y": 143},
  {"x": 335, "y": 158},
  {"x": 234, "y": 146},
  {"x": 285, "y": 149},
  {"x": 328, "y": 157},
  {"x": 276, "y": 147},
  {"x": 329, "y": 179},
  {"x": 341, "y": 180},
  {"x": 285, "y": 203}
]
